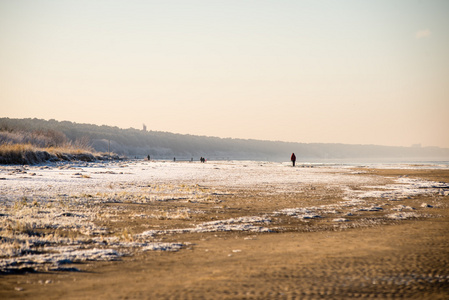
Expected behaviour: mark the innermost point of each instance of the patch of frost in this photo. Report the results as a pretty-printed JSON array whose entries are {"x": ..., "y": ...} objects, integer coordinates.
[{"x": 402, "y": 216}]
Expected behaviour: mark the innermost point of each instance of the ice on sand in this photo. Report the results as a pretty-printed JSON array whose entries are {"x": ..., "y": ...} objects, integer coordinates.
[{"x": 50, "y": 197}]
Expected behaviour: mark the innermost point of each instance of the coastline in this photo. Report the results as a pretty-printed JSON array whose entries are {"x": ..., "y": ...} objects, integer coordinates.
[{"x": 368, "y": 254}]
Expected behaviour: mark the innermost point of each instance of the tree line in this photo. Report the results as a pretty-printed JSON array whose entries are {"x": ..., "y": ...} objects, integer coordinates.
[{"x": 165, "y": 145}]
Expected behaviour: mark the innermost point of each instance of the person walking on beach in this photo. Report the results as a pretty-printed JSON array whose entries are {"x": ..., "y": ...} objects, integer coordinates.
[{"x": 293, "y": 159}]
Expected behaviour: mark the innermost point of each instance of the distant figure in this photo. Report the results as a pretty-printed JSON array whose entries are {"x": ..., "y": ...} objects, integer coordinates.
[
  {"x": 174, "y": 158},
  {"x": 202, "y": 159},
  {"x": 148, "y": 157},
  {"x": 293, "y": 159}
]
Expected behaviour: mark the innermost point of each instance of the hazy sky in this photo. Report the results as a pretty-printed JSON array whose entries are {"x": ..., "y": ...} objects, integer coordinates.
[{"x": 357, "y": 72}]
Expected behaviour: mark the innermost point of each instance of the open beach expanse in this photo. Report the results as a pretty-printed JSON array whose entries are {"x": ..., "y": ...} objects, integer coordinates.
[
  {"x": 107, "y": 107},
  {"x": 224, "y": 230}
]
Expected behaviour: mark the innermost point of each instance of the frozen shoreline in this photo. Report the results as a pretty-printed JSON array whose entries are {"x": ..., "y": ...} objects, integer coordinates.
[{"x": 49, "y": 213}]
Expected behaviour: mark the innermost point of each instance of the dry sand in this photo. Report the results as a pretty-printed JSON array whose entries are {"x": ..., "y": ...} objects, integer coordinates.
[{"x": 303, "y": 259}]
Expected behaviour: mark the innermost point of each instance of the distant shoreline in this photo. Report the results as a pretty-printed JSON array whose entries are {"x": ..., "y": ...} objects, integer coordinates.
[{"x": 133, "y": 143}]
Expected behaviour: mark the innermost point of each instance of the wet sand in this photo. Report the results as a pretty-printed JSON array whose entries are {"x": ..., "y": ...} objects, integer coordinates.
[{"x": 301, "y": 259}]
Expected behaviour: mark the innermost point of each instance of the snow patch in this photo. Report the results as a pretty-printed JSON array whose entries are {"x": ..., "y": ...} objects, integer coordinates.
[
  {"x": 340, "y": 220},
  {"x": 403, "y": 216},
  {"x": 237, "y": 224},
  {"x": 163, "y": 247}
]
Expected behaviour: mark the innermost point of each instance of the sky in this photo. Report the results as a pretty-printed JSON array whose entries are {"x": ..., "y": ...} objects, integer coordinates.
[{"x": 353, "y": 72}]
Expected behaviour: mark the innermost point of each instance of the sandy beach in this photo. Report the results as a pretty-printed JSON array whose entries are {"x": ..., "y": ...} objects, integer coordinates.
[{"x": 224, "y": 230}]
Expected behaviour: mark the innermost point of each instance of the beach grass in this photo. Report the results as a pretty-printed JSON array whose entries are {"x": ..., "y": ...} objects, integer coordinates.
[{"x": 30, "y": 154}]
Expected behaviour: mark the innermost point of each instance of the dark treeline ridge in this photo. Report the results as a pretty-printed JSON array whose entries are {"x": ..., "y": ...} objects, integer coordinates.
[{"x": 164, "y": 145}]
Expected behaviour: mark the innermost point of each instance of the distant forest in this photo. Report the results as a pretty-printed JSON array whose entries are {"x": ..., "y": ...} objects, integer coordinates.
[{"x": 164, "y": 145}]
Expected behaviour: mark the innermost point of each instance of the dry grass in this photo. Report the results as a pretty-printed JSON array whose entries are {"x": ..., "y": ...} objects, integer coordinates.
[
  {"x": 16, "y": 153},
  {"x": 19, "y": 149},
  {"x": 23, "y": 147},
  {"x": 179, "y": 214},
  {"x": 15, "y": 149},
  {"x": 29, "y": 154}
]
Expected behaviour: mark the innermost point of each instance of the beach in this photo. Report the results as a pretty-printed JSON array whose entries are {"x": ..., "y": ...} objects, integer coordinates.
[{"x": 224, "y": 230}]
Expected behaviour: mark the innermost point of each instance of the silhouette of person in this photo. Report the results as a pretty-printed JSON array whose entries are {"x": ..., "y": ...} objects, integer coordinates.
[{"x": 293, "y": 159}]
